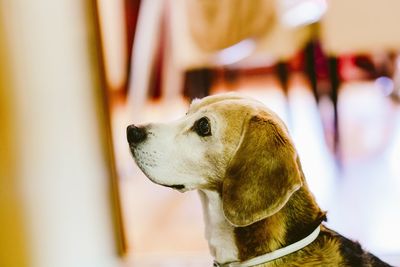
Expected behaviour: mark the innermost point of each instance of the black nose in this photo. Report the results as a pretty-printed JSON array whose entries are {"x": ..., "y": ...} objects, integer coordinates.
[{"x": 135, "y": 134}]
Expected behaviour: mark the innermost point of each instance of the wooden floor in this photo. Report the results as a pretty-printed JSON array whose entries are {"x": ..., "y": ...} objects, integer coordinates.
[{"x": 361, "y": 194}]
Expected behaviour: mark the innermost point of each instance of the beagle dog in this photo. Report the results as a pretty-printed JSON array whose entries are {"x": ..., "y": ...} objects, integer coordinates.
[{"x": 257, "y": 206}]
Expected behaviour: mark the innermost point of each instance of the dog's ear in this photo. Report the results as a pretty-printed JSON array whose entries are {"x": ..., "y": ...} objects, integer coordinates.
[{"x": 262, "y": 174}]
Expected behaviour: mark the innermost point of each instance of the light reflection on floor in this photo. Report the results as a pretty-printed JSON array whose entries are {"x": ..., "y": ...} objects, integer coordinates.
[{"x": 165, "y": 228}]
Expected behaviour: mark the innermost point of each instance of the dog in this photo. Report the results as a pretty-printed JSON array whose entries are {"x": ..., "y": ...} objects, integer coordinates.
[{"x": 257, "y": 206}]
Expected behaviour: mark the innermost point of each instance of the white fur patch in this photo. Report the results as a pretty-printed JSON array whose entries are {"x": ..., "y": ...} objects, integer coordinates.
[{"x": 219, "y": 232}]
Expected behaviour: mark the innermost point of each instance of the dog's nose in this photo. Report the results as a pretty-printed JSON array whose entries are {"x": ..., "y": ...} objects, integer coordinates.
[{"x": 135, "y": 134}]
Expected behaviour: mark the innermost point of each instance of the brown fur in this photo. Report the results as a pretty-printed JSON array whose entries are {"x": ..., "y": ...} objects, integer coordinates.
[
  {"x": 262, "y": 175},
  {"x": 265, "y": 195}
]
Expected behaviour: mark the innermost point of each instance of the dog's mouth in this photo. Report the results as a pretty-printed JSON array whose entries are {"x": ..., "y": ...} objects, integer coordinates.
[
  {"x": 179, "y": 187},
  {"x": 176, "y": 186}
]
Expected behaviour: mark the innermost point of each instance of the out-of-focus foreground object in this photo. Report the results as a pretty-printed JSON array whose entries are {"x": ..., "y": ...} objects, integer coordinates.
[
  {"x": 56, "y": 189},
  {"x": 12, "y": 246}
]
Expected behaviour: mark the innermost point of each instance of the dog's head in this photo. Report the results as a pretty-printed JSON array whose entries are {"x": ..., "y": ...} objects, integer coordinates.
[{"x": 227, "y": 143}]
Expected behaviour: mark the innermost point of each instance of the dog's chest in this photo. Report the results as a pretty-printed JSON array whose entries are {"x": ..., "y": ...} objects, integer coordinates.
[{"x": 219, "y": 232}]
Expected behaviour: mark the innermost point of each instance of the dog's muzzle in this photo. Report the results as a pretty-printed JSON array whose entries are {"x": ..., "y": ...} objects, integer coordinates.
[{"x": 135, "y": 135}]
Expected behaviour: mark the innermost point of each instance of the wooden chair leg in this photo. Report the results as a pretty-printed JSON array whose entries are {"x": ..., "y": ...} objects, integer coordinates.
[
  {"x": 198, "y": 83},
  {"x": 310, "y": 69},
  {"x": 283, "y": 75},
  {"x": 335, "y": 84}
]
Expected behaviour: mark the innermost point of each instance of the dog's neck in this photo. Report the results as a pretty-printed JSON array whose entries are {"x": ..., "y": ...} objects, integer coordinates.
[
  {"x": 228, "y": 243},
  {"x": 219, "y": 233}
]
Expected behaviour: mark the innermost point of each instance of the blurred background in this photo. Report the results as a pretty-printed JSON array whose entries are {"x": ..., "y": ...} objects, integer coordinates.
[{"x": 74, "y": 74}]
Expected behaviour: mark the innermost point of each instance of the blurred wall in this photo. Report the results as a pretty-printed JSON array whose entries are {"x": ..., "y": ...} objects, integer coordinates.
[{"x": 56, "y": 204}]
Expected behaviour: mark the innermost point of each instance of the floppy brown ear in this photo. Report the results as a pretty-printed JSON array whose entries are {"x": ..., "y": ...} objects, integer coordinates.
[{"x": 262, "y": 174}]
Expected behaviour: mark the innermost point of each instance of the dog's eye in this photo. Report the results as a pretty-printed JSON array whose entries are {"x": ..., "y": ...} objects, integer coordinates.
[{"x": 202, "y": 127}]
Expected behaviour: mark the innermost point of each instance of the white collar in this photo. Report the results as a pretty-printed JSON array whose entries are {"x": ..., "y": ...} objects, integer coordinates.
[{"x": 276, "y": 253}]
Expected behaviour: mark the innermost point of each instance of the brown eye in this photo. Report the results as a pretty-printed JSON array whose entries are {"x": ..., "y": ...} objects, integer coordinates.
[{"x": 202, "y": 127}]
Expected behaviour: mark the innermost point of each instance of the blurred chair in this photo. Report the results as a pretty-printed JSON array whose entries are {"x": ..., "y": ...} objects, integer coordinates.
[
  {"x": 357, "y": 27},
  {"x": 199, "y": 35}
]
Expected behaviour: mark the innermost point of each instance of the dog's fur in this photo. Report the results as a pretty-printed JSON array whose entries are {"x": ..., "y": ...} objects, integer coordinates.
[{"x": 254, "y": 194}]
